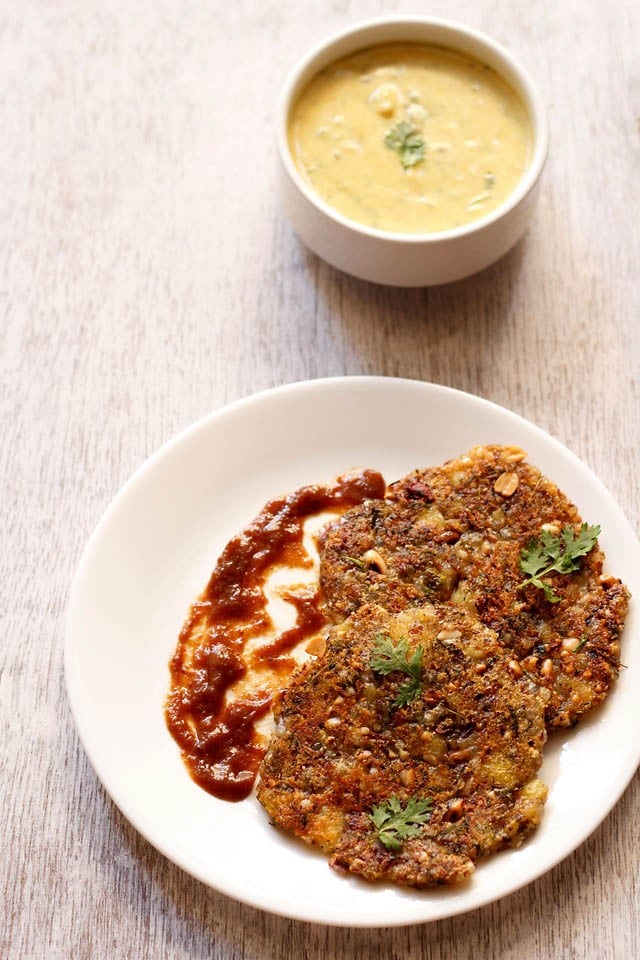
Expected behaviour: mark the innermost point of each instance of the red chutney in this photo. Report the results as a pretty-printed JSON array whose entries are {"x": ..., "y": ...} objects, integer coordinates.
[{"x": 218, "y": 738}]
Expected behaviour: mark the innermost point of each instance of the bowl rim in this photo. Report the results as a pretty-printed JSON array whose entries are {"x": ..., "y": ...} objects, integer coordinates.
[{"x": 526, "y": 89}]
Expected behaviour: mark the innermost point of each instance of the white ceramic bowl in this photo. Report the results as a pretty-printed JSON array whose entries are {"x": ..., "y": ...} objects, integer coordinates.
[{"x": 399, "y": 259}]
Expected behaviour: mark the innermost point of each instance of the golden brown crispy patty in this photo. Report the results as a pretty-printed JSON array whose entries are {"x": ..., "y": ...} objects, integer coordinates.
[
  {"x": 455, "y": 532},
  {"x": 470, "y": 742}
]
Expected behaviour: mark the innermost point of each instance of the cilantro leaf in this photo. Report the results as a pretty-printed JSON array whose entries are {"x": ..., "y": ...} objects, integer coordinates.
[
  {"x": 578, "y": 545},
  {"x": 551, "y": 554},
  {"x": 407, "y": 143},
  {"x": 388, "y": 657},
  {"x": 394, "y": 824},
  {"x": 407, "y": 692}
]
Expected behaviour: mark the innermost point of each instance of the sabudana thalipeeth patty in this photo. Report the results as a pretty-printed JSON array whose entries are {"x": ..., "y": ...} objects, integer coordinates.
[
  {"x": 496, "y": 503},
  {"x": 470, "y": 743}
]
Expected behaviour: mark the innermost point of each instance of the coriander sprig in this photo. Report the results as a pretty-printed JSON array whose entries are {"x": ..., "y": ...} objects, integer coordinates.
[
  {"x": 395, "y": 824},
  {"x": 407, "y": 143},
  {"x": 556, "y": 554},
  {"x": 388, "y": 657}
]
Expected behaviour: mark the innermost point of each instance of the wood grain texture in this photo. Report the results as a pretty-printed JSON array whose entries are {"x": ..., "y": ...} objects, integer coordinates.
[{"x": 146, "y": 278}]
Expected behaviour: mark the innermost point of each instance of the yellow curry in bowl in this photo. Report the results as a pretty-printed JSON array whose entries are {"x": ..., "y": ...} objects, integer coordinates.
[{"x": 410, "y": 138}]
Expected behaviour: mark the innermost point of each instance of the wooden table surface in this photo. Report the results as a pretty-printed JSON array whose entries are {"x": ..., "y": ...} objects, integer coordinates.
[{"x": 147, "y": 278}]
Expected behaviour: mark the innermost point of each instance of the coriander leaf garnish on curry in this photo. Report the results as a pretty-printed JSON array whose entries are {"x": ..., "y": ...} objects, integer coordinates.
[
  {"x": 407, "y": 143},
  {"x": 410, "y": 138}
]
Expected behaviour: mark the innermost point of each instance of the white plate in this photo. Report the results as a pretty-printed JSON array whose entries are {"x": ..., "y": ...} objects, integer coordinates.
[{"x": 150, "y": 557}]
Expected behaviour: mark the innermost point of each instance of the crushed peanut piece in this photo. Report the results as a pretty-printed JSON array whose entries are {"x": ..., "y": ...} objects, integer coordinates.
[
  {"x": 553, "y": 527},
  {"x": 571, "y": 643},
  {"x": 547, "y": 667},
  {"x": 513, "y": 454},
  {"x": 407, "y": 777},
  {"x": 373, "y": 559},
  {"x": 506, "y": 484}
]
